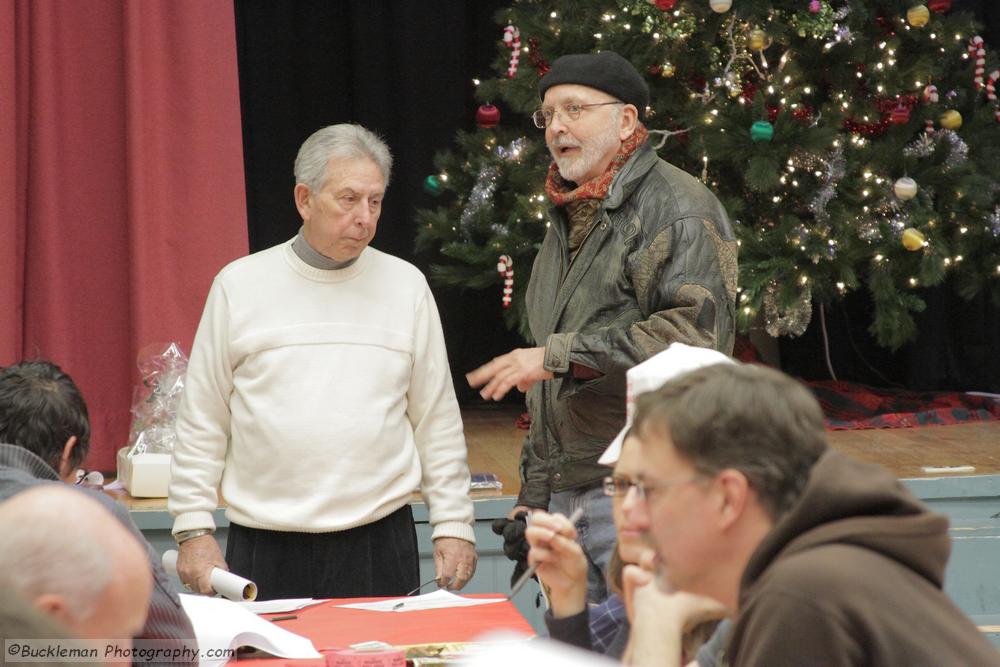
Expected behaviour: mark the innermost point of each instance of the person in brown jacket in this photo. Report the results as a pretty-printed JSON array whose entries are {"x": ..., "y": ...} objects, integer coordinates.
[
  {"x": 637, "y": 254},
  {"x": 818, "y": 558}
]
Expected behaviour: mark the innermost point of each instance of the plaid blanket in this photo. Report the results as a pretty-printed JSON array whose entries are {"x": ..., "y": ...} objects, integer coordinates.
[{"x": 848, "y": 405}]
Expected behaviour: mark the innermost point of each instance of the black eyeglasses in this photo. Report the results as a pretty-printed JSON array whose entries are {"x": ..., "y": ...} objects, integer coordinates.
[
  {"x": 619, "y": 485},
  {"x": 572, "y": 111},
  {"x": 93, "y": 479}
]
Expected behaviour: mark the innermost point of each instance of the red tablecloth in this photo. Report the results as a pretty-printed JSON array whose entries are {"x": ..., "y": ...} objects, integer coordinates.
[{"x": 331, "y": 627}]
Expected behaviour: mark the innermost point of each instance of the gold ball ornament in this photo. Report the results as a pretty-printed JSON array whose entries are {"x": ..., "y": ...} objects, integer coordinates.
[
  {"x": 951, "y": 119},
  {"x": 720, "y": 6},
  {"x": 758, "y": 39},
  {"x": 669, "y": 69},
  {"x": 918, "y": 16},
  {"x": 913, "y": 239},
  {"x": 905, "y": 188}
]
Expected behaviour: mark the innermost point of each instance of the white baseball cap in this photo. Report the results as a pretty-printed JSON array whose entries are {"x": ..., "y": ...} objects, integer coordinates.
[{"x": 653, "y": 374}]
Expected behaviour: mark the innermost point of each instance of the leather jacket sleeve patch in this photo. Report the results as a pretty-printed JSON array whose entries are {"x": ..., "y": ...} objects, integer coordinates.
[
  {"x": 691, "y": 320},
  {"x": 557, "y": 350}
]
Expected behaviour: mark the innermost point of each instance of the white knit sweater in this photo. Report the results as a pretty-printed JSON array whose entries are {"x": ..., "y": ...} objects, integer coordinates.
[{"x": 321, "y": 399}]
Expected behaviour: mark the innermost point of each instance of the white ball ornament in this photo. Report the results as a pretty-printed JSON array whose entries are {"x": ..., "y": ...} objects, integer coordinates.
[
  {"x": 720, "y": 6},
  {"x": 905, "y": 188}
]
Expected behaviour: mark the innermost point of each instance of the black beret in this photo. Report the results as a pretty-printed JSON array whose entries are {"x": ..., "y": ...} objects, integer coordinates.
[{"x": 605, "y": 71}]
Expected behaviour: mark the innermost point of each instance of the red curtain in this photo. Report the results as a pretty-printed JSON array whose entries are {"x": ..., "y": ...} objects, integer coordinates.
[{"x": 121, "y": 185}]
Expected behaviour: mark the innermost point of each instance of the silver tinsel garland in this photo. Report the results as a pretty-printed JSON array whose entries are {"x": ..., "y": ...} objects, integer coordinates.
[
  {"x": 481, "y": 194},
  {"x": 994, "y": 222},
  {"x": 925, "y": 145},
  {"x": 833, "y": 171},
  {"x": 486, "y": 181},
  {"x": 794, "y": 320}
]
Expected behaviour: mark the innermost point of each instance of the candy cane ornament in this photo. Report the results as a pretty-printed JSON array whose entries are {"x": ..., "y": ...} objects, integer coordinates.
[
  {"x": 978, "y": 51},
  {"x": 506, "y": 269},
  {"x": 991, "y": 92},
  {"x": 512, "y": 38}
]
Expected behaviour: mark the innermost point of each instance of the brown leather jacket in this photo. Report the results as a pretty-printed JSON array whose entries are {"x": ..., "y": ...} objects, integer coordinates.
[{"x": 658, "y": 266}]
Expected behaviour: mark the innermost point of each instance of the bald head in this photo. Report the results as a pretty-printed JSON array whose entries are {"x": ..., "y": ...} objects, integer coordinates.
[{"x": 70, "y": 558}]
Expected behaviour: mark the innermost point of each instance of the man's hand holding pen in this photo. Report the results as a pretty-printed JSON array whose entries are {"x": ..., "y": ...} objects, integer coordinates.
[{"x": 559, "y": 561}]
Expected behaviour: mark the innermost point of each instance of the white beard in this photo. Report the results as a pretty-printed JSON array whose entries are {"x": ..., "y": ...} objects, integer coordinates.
[{"x": 574, "y": 168}]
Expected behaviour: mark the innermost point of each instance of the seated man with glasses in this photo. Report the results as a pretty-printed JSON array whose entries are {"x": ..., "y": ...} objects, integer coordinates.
[
  {"x": 638, "y": 254},
  {"x": 561, "y": 563},
  {"x": 818, "y": 558},
  {"x": 44, "y": 438}
]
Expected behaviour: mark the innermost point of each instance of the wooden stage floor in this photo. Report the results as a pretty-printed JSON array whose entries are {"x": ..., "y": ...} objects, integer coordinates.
[{"x": 495, "y": 445}]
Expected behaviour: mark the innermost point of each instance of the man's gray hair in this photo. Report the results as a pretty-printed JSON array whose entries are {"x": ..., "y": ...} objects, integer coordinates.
[
  {"x": 346, "y": 141},
  {"x": 48, "y": 549}
]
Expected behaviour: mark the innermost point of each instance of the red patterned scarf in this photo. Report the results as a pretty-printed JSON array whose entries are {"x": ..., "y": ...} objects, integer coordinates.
[{"x": 559, "y": 190}]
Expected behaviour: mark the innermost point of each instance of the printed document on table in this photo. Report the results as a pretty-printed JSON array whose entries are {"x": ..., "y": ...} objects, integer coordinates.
[
  {"x": 277, "y": 606},
  {"x": 440, "y": 599},
  {"x": 221, "y": 624}
]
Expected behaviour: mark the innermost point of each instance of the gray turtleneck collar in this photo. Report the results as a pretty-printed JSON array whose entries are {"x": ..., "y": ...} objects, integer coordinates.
[{"x": 314, "y": 258}]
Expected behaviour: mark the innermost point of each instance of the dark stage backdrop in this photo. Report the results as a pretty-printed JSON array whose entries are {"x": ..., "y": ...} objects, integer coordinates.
[
  {"x": 405, "y": 70},
  {"x": 402, "y": 69}
]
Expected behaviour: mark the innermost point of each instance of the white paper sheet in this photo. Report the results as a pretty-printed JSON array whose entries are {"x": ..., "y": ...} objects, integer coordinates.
[
  {"x": 219, "y": 624},
  {"x": 503, "y": 649},
  {"x": 275, "y": 606},
  {"x": 439, "y": 599}
]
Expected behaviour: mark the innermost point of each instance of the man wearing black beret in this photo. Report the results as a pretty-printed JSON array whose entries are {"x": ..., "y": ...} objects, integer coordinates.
[{"x": 638, "y": 254}]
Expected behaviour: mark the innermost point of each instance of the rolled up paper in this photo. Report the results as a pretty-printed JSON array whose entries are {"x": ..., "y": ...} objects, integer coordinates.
[{"x": 226, "y": 584}]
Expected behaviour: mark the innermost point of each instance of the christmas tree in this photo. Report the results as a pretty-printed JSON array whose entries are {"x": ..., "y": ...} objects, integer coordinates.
[{"x": 853, "y": 143}]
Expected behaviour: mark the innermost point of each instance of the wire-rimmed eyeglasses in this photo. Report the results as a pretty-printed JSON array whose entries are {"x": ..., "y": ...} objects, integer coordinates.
[
  {"x": 93, "y": 479},
  {"x": 571, "y": 111},
  {"x": 619, "y": 485}
]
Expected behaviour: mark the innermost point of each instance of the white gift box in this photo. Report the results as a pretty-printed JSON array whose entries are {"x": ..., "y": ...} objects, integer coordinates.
[{"x": 144, "y": 475}]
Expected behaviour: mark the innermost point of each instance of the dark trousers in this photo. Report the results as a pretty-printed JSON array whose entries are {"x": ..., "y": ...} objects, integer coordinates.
[{"x": 377, "y": 559}]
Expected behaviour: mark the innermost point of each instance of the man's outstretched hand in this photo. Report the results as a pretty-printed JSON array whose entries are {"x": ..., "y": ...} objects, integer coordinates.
[{"x": 519, "y": 368}]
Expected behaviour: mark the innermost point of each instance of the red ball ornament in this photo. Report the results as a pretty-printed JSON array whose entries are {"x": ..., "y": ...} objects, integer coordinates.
[
  {"x": 665, "y": 5},
  {"x": 656, "y": 69},
  {"x": 939, "y": 6},
  {"x": 900, "y": 115},
  {"x": 487, "y": 116},
  {"x": 803, "y": 113}
]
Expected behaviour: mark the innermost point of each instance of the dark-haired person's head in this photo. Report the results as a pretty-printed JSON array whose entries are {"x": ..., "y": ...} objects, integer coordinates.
[
  {"x": 728, "y": 449},
  {"x": 42, "y": 410}
]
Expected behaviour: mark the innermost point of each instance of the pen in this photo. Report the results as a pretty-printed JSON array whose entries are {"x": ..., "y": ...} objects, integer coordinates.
[
  {"x": 426, "y": 583},
  {"x": 530, "y": 572},
  {"x": 287, "y": 617}
]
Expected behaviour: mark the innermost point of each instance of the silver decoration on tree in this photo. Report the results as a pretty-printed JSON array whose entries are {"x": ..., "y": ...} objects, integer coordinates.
[
  {"x": 920, "y": 147},
  {"x": 791, "y": 321},
  {"x": 833, "y": 170},
  {"x": 926, "y": 145},
  {"x": 486, "y": 182},
  {"x": 958, "y": 150},
  {"x": 994, "y": 222},
  {"x": 481, "y": 194}
]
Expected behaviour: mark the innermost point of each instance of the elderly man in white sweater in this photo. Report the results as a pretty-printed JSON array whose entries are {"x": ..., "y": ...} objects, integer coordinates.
[{"x": 318, "y": 398}]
